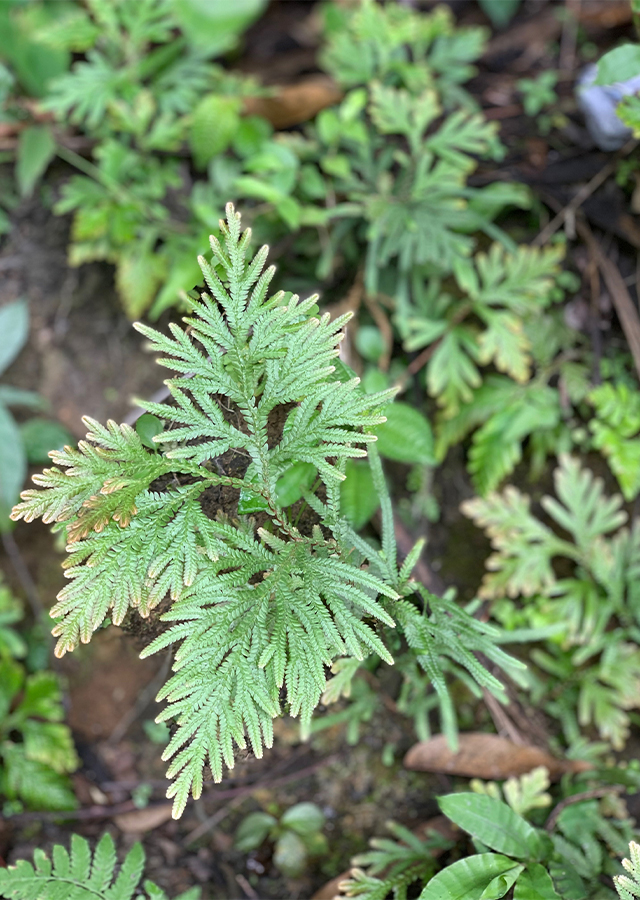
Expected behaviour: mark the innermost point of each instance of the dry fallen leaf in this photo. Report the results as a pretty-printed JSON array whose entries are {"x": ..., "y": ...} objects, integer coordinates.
[
  {"x": 485, "y": 756},
  {"x": 140, "y": 820},
  {"x": 329, "y": 891},
  {"x": 295, "y": 103}
]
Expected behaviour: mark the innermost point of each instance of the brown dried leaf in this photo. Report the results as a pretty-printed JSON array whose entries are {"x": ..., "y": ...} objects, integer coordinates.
[
  {"x": 295, "y": 103},
  {"x": 140, "y": 820},
  {"x": 485, "y": 756},
  {"x": 330, "y": 890}
]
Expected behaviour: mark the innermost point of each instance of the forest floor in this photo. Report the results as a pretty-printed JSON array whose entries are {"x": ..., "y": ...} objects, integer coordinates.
[{"x": 85, "y": 359}]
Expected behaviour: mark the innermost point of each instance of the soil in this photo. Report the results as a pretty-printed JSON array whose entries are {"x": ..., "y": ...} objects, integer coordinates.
[{"x": 85, "y": 359}]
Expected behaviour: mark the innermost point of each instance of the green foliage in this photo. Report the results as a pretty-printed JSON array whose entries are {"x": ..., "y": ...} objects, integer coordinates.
[
  {"x": 259, "y": 606},
  {"x": 508, "y": 293},
  {"x": 538, "y": 92},
  {"x": 81, "y": 875},
  {"x": 145, "y": 88},
  {"x": 628, "y": 886},
  {"x": 615, "y": 427},
  {"x": 522, "y": 794},
  {"x": 19, "y": 444},
  {"x": 619, "y": 64},
  {"x": 629, "y": 111},
  {"x": 596, "y": 599},
  {"x": 500, "y": 11},
  {"x": 566, "y": 861},
  {"x": 25, "y": 47},
  {"x": 36, "y": 149},
  {"x": 296, "y": 834},
  {"x": 12, "y": 646},
  {"x": 36, "y": 748},
  {"x": 393, "y": 867}
]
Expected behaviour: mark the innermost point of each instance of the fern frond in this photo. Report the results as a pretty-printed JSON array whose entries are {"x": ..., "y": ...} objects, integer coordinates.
[
  {"x": 259, "y": 609},
  {"x": 628, "y": 886}
]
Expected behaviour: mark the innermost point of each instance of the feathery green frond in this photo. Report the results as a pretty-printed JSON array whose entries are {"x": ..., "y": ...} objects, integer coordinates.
[
  {"x": 81, "y": 875},
  {"x": 257, "y": 609}
]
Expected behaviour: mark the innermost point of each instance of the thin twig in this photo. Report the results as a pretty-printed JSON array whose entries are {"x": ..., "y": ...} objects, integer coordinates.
[
  {"x": 569, "y": 211},
  {"x": 624, "y": 306},
  {"x": 87, "y": 813},
  {"x": 24, "y": 575},
  {"x": 246, "y": 887},
  {"x": 141, "y": 703},
  {"x": 578, "y": 798},
  {"x": 502, "y": 720}
]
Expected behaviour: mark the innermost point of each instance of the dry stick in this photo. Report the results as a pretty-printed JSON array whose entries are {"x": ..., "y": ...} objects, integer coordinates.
[
  {"x": 87, "y": 813},
  {"x": 624, "y": 306},
  {"x": 24, "y": 575},
  {"x": 578, "y": 798},
  {"x": 583, "y": 194},
  {"x": 502, "y": 720},
  {"x": 246, "y": 887},
  {"x": 141, "y": 703}
]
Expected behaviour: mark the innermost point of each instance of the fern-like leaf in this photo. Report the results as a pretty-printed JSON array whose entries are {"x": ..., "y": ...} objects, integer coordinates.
[
  {"x": 77, "y": 875},
  {"x": 258, "y": 608}
]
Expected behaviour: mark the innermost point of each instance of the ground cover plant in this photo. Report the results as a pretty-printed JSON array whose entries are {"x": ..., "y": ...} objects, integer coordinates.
[
  {"x": 469, "y": 369},
  {"x": 259, "y": 604}
]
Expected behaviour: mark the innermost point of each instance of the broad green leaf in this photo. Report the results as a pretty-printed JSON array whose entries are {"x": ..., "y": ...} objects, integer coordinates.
[
  {"x": 298, "y": 478},
  {"x": 567, "y": 880},
  {"x": 13, "y": 464},
  {"x": 36, "y": 149},
  {"x": 147, "y": 426},
  {"x": 39, "y": 436},
  {"x": 358, "y": 497},
  {"x": 492, "y": 822},
  {"x": 138, "y": 276},
  {"x": 303, "y": 818},
  {"x": 34, "y": 782},
  {"x": 215, "y": 27},
  {"x": 370, "y": 343},
  {"x": 290, "y": 854},
  {"x": 34, "y": 62},
  {"x": 500, "y": 11},
  {"x": 11, "y": 396},
  {"x": 253, "y": 830},
  {"x": 214, "y": 123},
  {"x": 469, "y": 878},
  {"x": 41, "y": 698},
  {"x": 5, "y": 222},
  {"x": 11, "y": 680},
  {"x": 14, "y": 328},
  {"x": 50, "y": 743},
  {"x": 183, "y": 273},
  {"x": 619, "y": 64},
  {"x": 535, "y": 884},
  {"x": 406, "y": 436}
]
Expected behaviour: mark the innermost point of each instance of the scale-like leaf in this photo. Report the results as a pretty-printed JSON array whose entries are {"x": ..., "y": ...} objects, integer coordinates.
[{"x": 257, "y": 609}]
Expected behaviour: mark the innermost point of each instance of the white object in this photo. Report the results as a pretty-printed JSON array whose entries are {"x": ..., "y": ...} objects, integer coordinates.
[{"x": 598, "y": 102}]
